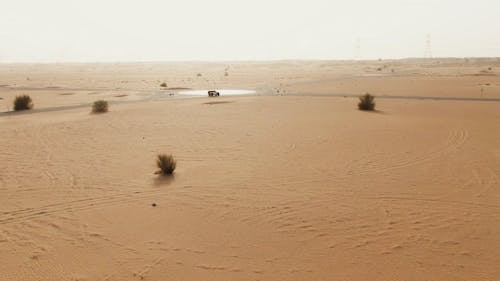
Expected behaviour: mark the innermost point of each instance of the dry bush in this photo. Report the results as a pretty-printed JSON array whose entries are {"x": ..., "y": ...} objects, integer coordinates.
[
  {"x": 366, "y": 102},
  {"x": 166, "y": 163},
  {"x": 100, "y": 106},
  {"x": 23, "y": 102}
]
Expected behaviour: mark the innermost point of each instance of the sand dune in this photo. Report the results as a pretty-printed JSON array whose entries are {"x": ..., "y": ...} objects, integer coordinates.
[{"x": 292, "y": 183}]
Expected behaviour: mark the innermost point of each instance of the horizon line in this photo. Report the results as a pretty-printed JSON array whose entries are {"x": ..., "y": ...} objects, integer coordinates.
[{"x": 245, "y": 60}]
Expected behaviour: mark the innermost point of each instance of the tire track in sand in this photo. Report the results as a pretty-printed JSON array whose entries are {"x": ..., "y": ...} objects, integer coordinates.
[
  {"x": 455, "y": 139},
  {"x": 288, "y": 213},
  {"x": 75, "y": 205}
]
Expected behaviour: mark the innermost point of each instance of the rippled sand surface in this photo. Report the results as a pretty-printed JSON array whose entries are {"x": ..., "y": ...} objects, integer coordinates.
[{"x": 289, "y": 183}]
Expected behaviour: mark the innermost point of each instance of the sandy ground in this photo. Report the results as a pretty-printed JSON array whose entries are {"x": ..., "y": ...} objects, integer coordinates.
[{"x": 293, "y": 183}]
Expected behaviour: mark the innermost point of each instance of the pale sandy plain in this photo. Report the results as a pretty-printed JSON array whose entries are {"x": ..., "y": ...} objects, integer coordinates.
[{"x": 292, "y": 183}]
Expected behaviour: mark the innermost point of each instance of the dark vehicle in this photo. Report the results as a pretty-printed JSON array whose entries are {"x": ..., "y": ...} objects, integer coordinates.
[{"x": 213, "y": 94}]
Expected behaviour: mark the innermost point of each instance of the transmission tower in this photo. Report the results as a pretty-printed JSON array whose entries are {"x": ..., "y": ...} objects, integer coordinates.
[
  {"x": 428, "y": 47},
  {"x": 357, "y": 54}
]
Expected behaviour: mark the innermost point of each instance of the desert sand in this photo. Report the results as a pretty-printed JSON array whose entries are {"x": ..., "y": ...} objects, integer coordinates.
[{"x": 290, "y": 183}]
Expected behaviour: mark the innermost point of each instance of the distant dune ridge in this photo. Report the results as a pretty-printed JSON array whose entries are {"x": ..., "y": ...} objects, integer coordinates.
[{"x": 290, "y": 183}]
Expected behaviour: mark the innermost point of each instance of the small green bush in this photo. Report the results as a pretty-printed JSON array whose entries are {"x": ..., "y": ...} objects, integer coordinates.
[
  {"x": 100, "y": 106},
  {"x": 164, "y": 85},
  {"x": 166, "y": 163},
  {"x": 23, "y": 102},
  {"x": 366, "y": 102}
]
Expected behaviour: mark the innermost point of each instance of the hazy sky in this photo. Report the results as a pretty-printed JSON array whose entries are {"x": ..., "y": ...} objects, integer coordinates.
[{"x": 149, "y": 30}]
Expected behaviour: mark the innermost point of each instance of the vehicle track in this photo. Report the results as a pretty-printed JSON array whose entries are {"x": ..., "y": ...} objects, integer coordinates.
[{"x": 75, "y": 205}]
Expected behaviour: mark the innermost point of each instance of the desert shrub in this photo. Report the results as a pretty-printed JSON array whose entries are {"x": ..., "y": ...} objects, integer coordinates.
[
  {"x": 366, "y": 102},
  {"x": 166, "y": 163},
  {"x": 100, "y": 106},
  {"x": 164, "y": 85},
  {"x": 23, "y": 102}
]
